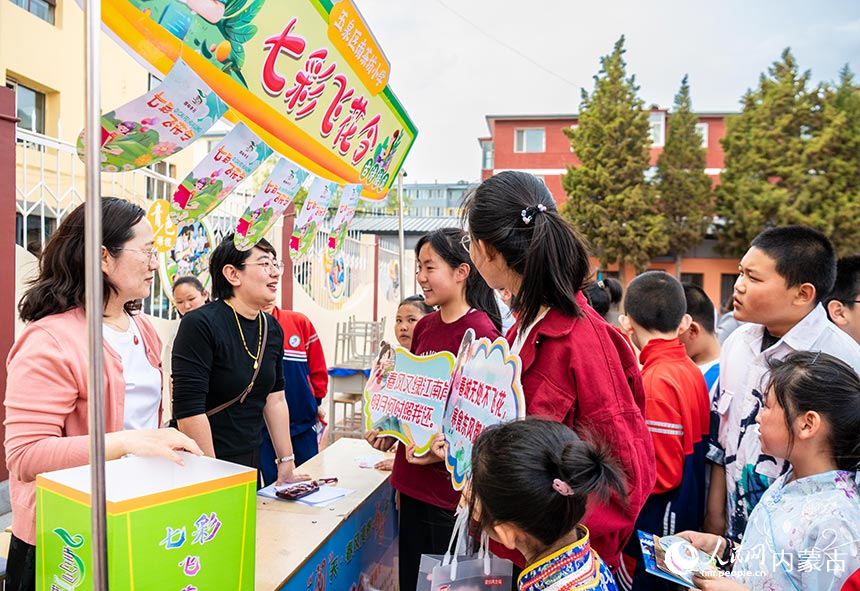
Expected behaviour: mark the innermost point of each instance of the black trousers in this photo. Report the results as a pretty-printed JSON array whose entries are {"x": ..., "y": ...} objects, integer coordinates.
[
  {"x": 424, "y": 529},
  {"x": 21, "y": 566}
]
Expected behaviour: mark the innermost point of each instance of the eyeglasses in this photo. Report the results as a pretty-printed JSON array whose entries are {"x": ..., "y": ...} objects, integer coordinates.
[
  {"x": 466, "y": 242},
  {"x": 151, "y": 254},
  {"x": 268, "y": 265}
]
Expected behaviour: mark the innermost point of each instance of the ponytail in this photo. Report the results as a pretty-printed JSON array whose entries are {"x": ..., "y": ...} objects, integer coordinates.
[
  {"x": 480, "y": 296},
  {"x": 515, "y": 214},
  {"x": 539, "y": 475},
  {"x": 589, "y": 469}
]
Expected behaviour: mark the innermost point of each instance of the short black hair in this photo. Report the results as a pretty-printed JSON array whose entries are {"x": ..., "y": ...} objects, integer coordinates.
[
  {"x": 655, "y": 301},
  {"x": 802, "y": 255},
  {"x": 700, "y": 307},
  {"x": 225, "y": 254},
  {"x": 847, "y": 285}
]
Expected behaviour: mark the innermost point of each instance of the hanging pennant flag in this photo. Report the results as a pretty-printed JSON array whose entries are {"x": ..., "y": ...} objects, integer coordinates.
[
  {"x": 345, "y": 213},
  {"x": 158, "y": 124},
  {"x": 235, "y": 157},
  {"x": 269, "y": 203},
  {"x": 316, "y": 204}
]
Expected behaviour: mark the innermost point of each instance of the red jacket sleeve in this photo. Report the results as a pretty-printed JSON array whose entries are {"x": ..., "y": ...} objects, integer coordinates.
[
  {"x": 316, "y": 361},
  {"x": 667, "y": 432}
]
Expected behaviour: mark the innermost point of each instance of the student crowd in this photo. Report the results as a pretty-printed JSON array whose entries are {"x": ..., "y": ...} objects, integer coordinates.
[{"x": 748, "y": 451}]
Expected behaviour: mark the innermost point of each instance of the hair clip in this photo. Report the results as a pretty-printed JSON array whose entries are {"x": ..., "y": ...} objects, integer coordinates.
[
  {"x": 562, "y": 488},
  {"x": 529, "y": 213}
]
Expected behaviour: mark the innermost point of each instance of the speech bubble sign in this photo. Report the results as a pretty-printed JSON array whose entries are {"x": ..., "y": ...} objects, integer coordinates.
[
  {"x": 405, "y": 395},
  {"x": 485, "y": 390}
]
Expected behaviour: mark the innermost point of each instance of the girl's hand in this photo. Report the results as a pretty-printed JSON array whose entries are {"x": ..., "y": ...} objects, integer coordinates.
[
  {"x": 438, "y": 446},
  {"x": 380, "y": 443},
  {"x": 149, "y": 443},
  {"x": 426, "y": 459},
  {"x": 710, "y": 544},
  {"x": 718, "y": 583}
]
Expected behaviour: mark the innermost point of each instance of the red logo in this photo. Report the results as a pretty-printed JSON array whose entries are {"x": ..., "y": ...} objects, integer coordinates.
[{"x": 492, "y": 582}]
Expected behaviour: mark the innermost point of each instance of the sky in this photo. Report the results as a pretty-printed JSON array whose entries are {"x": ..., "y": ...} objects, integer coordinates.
[{"x": 455, "y": 62}]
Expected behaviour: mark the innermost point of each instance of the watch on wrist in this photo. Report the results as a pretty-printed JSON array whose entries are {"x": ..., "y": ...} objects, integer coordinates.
[{"x": 288, "y": 458}]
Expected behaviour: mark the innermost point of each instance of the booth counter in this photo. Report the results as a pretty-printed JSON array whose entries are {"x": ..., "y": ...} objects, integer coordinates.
[{"x": 349, "y": 545}]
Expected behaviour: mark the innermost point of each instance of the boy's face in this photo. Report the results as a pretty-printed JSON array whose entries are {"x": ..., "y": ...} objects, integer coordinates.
[{"x": 761, "y": 294}]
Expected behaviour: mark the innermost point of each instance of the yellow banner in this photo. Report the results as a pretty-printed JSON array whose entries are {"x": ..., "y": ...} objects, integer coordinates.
[{"x": 307, "y": 76}]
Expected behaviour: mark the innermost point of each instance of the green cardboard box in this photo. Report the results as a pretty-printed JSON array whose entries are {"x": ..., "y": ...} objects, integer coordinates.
[{"x": 169, "y": 527}]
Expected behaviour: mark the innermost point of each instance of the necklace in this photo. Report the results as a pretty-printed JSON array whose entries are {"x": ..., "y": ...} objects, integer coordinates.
[
  {"x": 116, "y": 326},
  {"x": 242, "y": 334}
]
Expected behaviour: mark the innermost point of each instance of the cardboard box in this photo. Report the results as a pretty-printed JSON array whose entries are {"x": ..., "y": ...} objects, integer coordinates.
[{"x": 169, "y": 527}]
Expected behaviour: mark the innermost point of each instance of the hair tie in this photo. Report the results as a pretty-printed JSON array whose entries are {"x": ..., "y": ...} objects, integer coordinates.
[
  {"x": 562, "y": 488},
  {"x": 529, "y": 213}
]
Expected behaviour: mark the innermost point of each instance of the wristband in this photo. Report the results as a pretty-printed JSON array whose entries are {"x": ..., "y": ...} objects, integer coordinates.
[{"x": 288, "y": 458}]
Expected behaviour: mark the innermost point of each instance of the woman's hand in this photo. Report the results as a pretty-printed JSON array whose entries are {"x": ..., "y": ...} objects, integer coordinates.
[
  {"x": 381, "y": 443},
  {"x": 286, "y": 474},
  {"x": 150, "y": 442}
]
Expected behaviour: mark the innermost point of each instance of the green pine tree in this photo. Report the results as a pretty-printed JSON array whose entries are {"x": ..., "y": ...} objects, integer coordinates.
[
  {"x": 832, "y": 160},
  {"x": 683, "y": 187},
  {"x": 610, "y": 202},
  {"x": 765, "y": 181}
]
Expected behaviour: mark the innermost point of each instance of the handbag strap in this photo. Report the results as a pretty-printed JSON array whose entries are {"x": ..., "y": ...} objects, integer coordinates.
[{"x": 244, "y": 394}]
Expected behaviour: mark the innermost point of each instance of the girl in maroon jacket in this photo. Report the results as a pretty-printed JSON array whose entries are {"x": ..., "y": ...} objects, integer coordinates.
[
  {"x": 576, "y": 368},
  {"x": 427, "y": 500}
]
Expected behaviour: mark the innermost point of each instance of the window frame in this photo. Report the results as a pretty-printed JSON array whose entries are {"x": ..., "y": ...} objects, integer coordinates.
[
  {"x": 522, "y": 149},
  {"x": 40, "y": 115}
]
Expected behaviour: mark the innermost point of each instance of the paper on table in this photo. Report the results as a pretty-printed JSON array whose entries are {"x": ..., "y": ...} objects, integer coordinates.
[{"x": 324, "y": 497}]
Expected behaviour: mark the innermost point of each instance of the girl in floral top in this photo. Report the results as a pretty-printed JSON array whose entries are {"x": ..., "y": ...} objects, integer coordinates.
[
  {"x": 805, "y": 532},
  {"x": 530, "y": 484}
]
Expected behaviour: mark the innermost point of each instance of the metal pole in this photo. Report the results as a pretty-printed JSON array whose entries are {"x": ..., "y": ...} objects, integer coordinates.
[
  {"x": 400, "y": 235},
  {"x": 94, "y": 297}
]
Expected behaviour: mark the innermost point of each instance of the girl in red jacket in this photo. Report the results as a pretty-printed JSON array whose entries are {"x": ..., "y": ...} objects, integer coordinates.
[{"x": 576, "y": 368}]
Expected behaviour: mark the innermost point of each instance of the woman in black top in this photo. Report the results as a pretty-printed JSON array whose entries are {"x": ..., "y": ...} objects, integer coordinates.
[{"x": 216, "y": 353}]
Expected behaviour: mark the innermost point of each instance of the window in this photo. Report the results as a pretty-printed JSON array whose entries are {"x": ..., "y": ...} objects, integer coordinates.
[
  {"x": 30, "y": 106},
  {"x": 44, "y": 9},
  {"x": 573, "y": 127},
  {"x": 31, "y": 236},
  {"x": 727, "y": 285},
  {"x": 529, "y": 140},
  {"x": 657, "y": 121},
  {"x": 486, "y": 155},
  {"x": 697, "y": 279},
  {"x": 702, "y": 128},
  {"x": 157, "y": 188}
]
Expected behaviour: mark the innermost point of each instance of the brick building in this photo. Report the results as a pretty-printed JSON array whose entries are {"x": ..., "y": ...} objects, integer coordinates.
[{"x": 537, "y": 144}]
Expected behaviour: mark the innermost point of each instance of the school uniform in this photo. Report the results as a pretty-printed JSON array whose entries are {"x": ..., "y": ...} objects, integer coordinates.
[
  {"x": 581, "y": 372},
  {"x": 305, "y": 386},
  {"x": 427, "y": 497},
  {"x": 676, "y": 412}
]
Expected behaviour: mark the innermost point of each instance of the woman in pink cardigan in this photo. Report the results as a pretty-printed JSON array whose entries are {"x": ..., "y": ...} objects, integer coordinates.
[{"x": 46, "y": 392}]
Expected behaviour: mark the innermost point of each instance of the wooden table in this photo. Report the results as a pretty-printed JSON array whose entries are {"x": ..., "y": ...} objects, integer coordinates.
[{"x": 302, "y": 547}]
